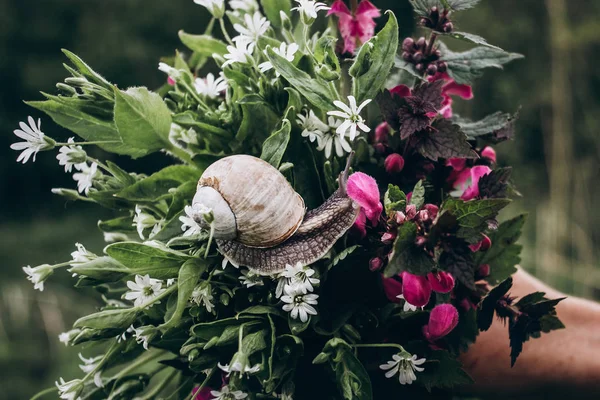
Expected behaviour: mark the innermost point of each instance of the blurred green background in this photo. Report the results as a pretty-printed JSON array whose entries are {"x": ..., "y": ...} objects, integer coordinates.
[{"x": 556, "y": 153}]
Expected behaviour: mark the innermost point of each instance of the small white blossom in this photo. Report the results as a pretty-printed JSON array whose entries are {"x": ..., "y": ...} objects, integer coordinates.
[
  {"x": 331, "y": 140},
  {"x": 143, "y": 220},
  {"x": 298, "y": 304},
  {"x": 407, "y": 306},
  {"x": 227, "y": 260},
  {"x": 405, "y": 365},
  {"x": 286, "y": 51},
  {"x": 69, "y": 390},
  {"x": 112, "y": 237},
  {"x": 178, "y": 134},
  {"x": 215, "y": 7},
  {"x": 35, "y": 140},
  {"x": 210, "y": 87},
  {"x": 144, "y": 335},
  {"x": 254, "y": 27},
  {"x": 66, "y": 337},
  {"x": 173, "y": 73},
  {"x": 171, "y": 281},
  {"x": 296, "y": 278},
  {"x": 240, "y": 53},
  {"x": 225, "y": 394},
  {"x": 202, "y": 296},
  {"x": 123, "y": 336},
  {"x": 143, "y": 290},
  {"x": 188, "y": 225},
  {"x": 38, "y": 275},
  {"x": 313, "y": 127},
  {"x": 81, "y": 255},
  {"x": 308, "y": 10},
  {"x": 85, "y": 178},
  {"x": 250, "y": 279},
  {"x": 247, "y": 6},
  {"x": 351, "y": 116},
  {"x": 70, "y": 156},
  {"x": 240, "y": 364},
  {"x": 89, "y": 365}
]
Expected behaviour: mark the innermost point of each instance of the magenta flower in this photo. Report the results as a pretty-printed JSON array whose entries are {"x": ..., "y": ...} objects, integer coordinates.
[
  {"x": 394, "y": 163},
  {"x": 382, "y": 133},
  {"x": 451, "y": 88},
  {"x": 358, "y": 28},
  {"x": 415, "y": 289},
  {"x": 470, "y": 186},
  {"x": 401, "y": 91},
  {"x": 442, "y": 320},
  {"x": 363, "y": 190},
  {"x": 203, "y": 395},
  {"x": 441, "y": 281},
  {"x": 392, "y": 288},
  {"x": 489, "y": 153},
  {"x": 483, "y": 245}
]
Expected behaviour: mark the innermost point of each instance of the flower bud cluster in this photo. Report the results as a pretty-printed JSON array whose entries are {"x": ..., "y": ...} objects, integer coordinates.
[
  {"x": 438, "y": 20},
  {"x": 424, "y": 57}
]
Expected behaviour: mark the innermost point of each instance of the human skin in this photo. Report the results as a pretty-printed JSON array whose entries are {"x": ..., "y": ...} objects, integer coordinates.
[{"x": 561, "y": 364}]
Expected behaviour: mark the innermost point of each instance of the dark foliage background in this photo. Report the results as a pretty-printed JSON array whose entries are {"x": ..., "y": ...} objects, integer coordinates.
[{"x": 556, "y": 153}]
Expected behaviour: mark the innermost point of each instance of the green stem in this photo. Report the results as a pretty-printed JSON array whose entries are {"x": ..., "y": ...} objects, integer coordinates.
[
  {"x": 84, "y": 143},
  {"x": 100, "y": 163},
  {"x": 64, "y": 264},
  {"x": 148, "y": 356},
  {"x": 210, "y": 238},
  {"x": 306, "y": 38},
  {"x": 180, "y": 153},
  {"x": 157, "y": 298},
  {"x": 225, "y": 34},
  {"x": 380, "y": 345},
  {"x": 210, "y": 26},
  {"x": 44, "y": 393},
  {"x": 204, "y": 382},
  {"x": 431, "y": 43}
]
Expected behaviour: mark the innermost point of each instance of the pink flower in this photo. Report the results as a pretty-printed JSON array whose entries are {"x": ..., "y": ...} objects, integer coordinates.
[
  {"x": 470, "y": 186},
  {"x": 375, "y": 264},
  {"x": 483, "y": 245},
  {"x": 171, "y": 81},
  {"x": 203, "y": 395},
  {"x": 382, "y": 132},
  {"x": 363, "y": 190},
  {"x": 357, "y": 28},
  {"x": 416, "y": 289},
  {"x": 489, "y": 153},
  {"x": 392, "y": 288},
  {"x": 432, "y": 209},
  {"x": 441, "y": 281},
  {"x": 442, "y": 320},
  {"x": 451, "y": 88},
  {"x": 394, "y": 163},
  {"x": 401, "y": 91}
]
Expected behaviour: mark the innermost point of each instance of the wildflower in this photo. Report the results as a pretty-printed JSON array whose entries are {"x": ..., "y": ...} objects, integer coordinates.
[
  {"x": 249, "y": 279},
  {"x": 35, "y": 140},
  {"x": 225, "y": 394},
  {"x": 38, "y": 275},
  {"x": 188, "y": 225},
  {"x": 202, "y": 296},
  {"x": 394, "y": 163},
  {"x": 351, "y": 116},
  {"x": 246, "y": 6},
  {"x": 215, "y": 7},
  {"x": 143, "y": 290},
  {"x": 363, "y": 190},
  {"x": 239, "y": 363},
  {"x": 466, "y": 186},
  {"x": 171, "y": 281},
  {"x": 441, "y": 281},
  {"x": 297, "y": 278},
  {"x": 405, "y": 365},
  {"x": 330, "y": 140},
  {"x": 144, "y": 335},
  {"x": 255, "y": 26},
  {"x": 382, "y": 132},
  {"x": 416, "y": 289},
  {"x": 143, "y": 220},
  {"x": 91, "y": 364},
  {"x": 240, "y": 53},
  {"x": 489, "y": 153},
  {"x": 66, "y": 337},
  {"x": 123, "y": 336},
  {"x": 451, "y": 88},
  {"x": 392, "y": 289},
  {"x": 483, "y": 245},
  {"x": 70, "y": 156},
  {"x": 81, "y": 255},
  {"x": 85, "y": 178},
  {"x": 299, "y": 304},
  {"x": 357, "y": 28},
  {"x": 112, "y": 237},
  {"x": 442, "y": 320},
  {"x": 173, "y": 73},
  {"x": 286, "y": 51},
  {"x": 209, "y": 86},
  {"x": 308, "y": 10},
  {"x": 69, "y": 390},
  {"x": 227, "y": 260},
  {"x": 313, "y": 127}
]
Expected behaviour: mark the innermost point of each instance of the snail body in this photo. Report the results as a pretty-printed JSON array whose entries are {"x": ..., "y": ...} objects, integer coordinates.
[{"x": 261, "y": 222}]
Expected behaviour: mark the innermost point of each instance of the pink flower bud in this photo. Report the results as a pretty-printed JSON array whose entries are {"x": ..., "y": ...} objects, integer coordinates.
[
  {"x": 484, "y": 270},
  {"x": 416, "y": 289},
  {"x": 400, "y": 217},
  {"x": 363, "y": 190},
  {"x": 382, "y": 132},
  {"x": 379, "y": 148},
  {"x": 441, "y": 281},
  {"x": 423, "y": 215},
  {"x": 432, "y": 209},
  {"x": 394, "y": 163},
  {"x": 388, "y": 237},
  {"x": 467, "y": 304},
  {"x": 411, "y": 211},
  {"x": 171, "y": 81},
  {"x": 392, "y": 288},
  {"x": 489, "y": 153},
  {"x": 442, "y": 320},
  {"x": 408, "y": 197},
  {"x": 486, "y": 243},
  {"x": 375, "y": 264},
  {"x": 420, "y": 241}
]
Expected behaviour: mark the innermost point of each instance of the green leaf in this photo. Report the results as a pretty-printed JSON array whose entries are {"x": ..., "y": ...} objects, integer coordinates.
[
  {"x": 272, "y": 9},
  {"x": 86, "y": 70},
  {"x": 374, "y": 61},
  {"x": 114, "y": 319},
  {"x": 406, "y": 256},
  {"x": 465, "y": 67},
  {"x": 459, "y": 5},
  {"x": 408, "y": 68},
  {"x": 443, "y": 370},
  {"x": 122, "y": 176},
  {"x": 258, "y": 121},
  {"x": 342, "y": 255},
  {"x": 471, "y": 38},
  {"x": 422, "y": 7},
  {"x": 254, "y": 342},
  {"x": 296, "y": 326},
  {"x": 417, "y": 197},
  {"x": 103, "y": 269},
  {"x": 447, "y": 141},
  {"x": 142, "y": 119},
  {"x": 315, "y": 89},
  {"x": 460, "y": 264},
  {"x": 160, "y": 263},
  {"x": 352, "y": 379},
  {"x": 189, "y": 119},
  {"x": 119, "y": 224},
  {"x": 158, "y": 184},
  {"x": 275, "y": 145},
  {"x": 204, "y": 45},
  {"x": 496, "y": 128},
  {"x": 472, "y": 216},
  {"x": 394, "y": 200},
  {"x": 485, "y": 316}
]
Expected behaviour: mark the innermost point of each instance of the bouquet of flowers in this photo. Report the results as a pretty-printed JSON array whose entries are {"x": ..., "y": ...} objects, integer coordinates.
[{"x": 216, "y": 281}]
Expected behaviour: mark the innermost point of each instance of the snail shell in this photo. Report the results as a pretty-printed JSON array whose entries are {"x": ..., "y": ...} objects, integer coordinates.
[{"x": 260, "y": 221}]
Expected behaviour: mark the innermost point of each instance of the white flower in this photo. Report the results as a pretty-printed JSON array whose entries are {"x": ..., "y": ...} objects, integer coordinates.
[
  {"x": 225, "y": 394},
  {"x": 255, "y": 26},
  {"x": 144, "y": 335},
  {"x": 240, "y": 364},
  {"x": 70, "y": 156},
  {"x": 123, "y": 336},
  {"x": 171, "y": 281},
  {"x": 202, "y": 296},
  {"x": 216, "y": 7},
  {"x": 407, "y": 306},
  {"x": 186, "y": 136},
  {"x": 331, "y": 139},
  {"x": 38, "y": 275},
  {"x": 227, "y": 260},
  {"x": 89, "y": 365},
  {"x": 286, "y": 51},
  {"x": 143, "y": 290},
  {"x": 406, "y": 365},
  {"x": 351, "y": 116},
  {"x": 313, "y": 127},
  {"x": 209, "y": 86},
  {"x": 69, "y": 390},
  {"x": 308, "y": 10},
  {"x": 297, "y": 279},
  {"x": 81, "y": 255},
  {"x": 35, "y": 140},
  {"x": 85, "y": 178},
  {"x": 143, "y": 220},
  {"x": 112, "y": 237},
  {"x": 188, "y": 225},
  {"x": 173, "y": 73},
  {"x": 243, "y": 5},
  {"x": 249, "y": 279},
  {"x": 66, "y": 337},
  {"x": 241, "y": 53},
  {"x": 299, "y": 304}
]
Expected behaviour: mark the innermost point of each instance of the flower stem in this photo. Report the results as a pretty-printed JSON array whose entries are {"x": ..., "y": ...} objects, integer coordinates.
[
  {"x": 85, "y": 143},
  {"x": 100, "y": 164},
  {"x": 203, "y": 384},
  {"x": 44, "y": 393},
  {"x": 431, "y": 43},
  {"x": 225, "y": 34},
  {"x": 381, "y": 345},
  {"x": 210, "y": 238},
  {"x": 164, "y": 294}
]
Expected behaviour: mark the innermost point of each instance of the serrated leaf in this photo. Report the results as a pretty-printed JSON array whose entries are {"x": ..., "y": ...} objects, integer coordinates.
[
  {"x": 495, "y": 184},
  {"x": 204, "y": 45},
  {"x": 443, "y": 370},
  {"x": 473, "y": 215},
  {"x": 274, "y": 146},
  {"x": 485, "y": 316},
  {"x": 471, "y": 38},
  {"x": 496, "y": 128},
  {"x": 417, "y": 197},
  {"x": 158, "y": 184},
  {"x": 394, "y": 200},
  {"x": 381, "y": 49},
  {"x": 445, "y": 141},
  {"x": 406, "y": 256},
  {"x": 460, "y": 265}
]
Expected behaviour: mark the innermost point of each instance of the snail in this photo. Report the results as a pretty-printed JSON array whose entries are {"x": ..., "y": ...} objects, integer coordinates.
[{"x": 260, "y": 221}]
